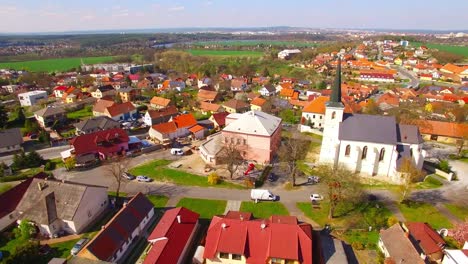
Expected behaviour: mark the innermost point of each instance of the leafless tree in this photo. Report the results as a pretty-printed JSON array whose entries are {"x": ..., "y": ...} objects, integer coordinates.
[
  {"x": 231, "y": 155},
  {"x": 409, "y": 175},
  {"x": 116, "y": 167},
  {"x": 291, "y": 151}
]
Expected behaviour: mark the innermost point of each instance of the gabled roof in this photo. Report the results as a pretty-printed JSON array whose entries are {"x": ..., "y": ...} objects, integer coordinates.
[
  {"x": 119, "y": 229},
  {"x": 205, "y": 106},
  {"x": 50, "y": 111},
  {"x": 253, "y": 122},
  {"x": 160, "y": 101},
  {"x": 369, "y": 128},
  {"x": 220, "y": 118},
  {"x": 260, "y": 240},
  {"x": 236, "y": 104},
  {"x": 196, "y": 128},
  {"x": 452, "y": 68},
  {"x": 408, "y": 134},
  {"x": 185, "y": 120},
  {"x": 440, "y": 128},
  {"x": 118, "y": 109},
  {"x": 165, "y": 128},
  {"x": 258, "y": 101},
  {"x": 206, "y": 95},
  {"x": 170, "y": 237},
  {"x": 97, "y": 123},
  {"x": 165, "y": 112},
  {"x": 427, "y": 238},
  {"x": 10, "y": 137},
  {"x": 101, "y": 105},
  {"x": 389, "y": 99},
  {"x": 269, "y": 87},
  {"x": 88, "y": 143},
  {"x": 399, "y": 246}
]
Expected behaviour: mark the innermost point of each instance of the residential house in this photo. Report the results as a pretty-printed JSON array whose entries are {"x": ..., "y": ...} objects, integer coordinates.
[
  {"x": 99, "y": 108},
  {"x": 32, "y": 97},
  {"x": 236, "y": 106},
  {"x": 388, "y": 100},
  {"x": 260, "y": 80},
  {"x": 267, "y": 90},
  {"x": 376, "y": 77},
  {"x": 178, "y": 85},
  {"x": 177, "y": 127},
  {"x": 11, "y": 88},
  {"x": 123, "y": 111},
  {"x": 154, "y": 117},
  {"x": 260, "y": 104},
  {"x": 10, "y": 140},
  {"x": 219, "y": 119},
  {"x": 122, "y": 232},
  {"x": 48, "y": 116},
  {"x": 55, "y": 206},
  {"x": 172, "y": 239},
  {"x": 287, "y": 53},
  {"x": 447, "y": 132},
  {"x": 100, "y": 144},
  {"x": 146, "y": 83},
  {"x": 10, "y": 199},
  {"x": 159, "y": 102},
  {"x": 197, "y": 131},
  {"x": 209, "y": 108},
  {"x": 289, "y": 93},
  {"x": 396, "y": 246},
  {"x": 426, "y": 239},
  {"x": 313, "y": 114},
  {"x": 207, "y": 95},
  {"x": 257, "y": 135},
  {"x": 298, "y": 104},
  {"x": 452, "y": 69},
  {"x": 134, "y": 78},
  {"x": 237, "y": 238},
  {"x": 59, "y": 91},
  {"x": 95, "y": 124},
  {"x": 102, "y": 91},
  {"x": 238, "y": 84},
  {"x": 128, "y": 94}
]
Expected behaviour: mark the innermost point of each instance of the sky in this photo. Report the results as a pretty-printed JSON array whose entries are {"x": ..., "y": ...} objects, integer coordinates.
[{"x": 60, "y": 15}]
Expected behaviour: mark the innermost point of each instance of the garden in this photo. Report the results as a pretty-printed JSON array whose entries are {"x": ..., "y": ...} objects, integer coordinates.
[
  {"x": 264, "y": 210},
  {"x": 206, "y": 208}
]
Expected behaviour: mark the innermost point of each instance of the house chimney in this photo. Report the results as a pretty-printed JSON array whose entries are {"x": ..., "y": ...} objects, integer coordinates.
[
  {"x": 223, "y": 225},
  {"x": 263, "y": 226},
  {"x": 241, "y": 217},
  {"x": 179, "y": 220}
]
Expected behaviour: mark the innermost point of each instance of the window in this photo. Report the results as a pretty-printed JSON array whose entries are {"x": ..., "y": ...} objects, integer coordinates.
[
  {"x": 314, "y": 116},
  {"x": 224, "y": 255},
  {"x": 333, "y": 115},
  {"x": 289, "y": 261},
  {"x": 276, "y": 261},
  {"x": 364, "y": 153},
  {"x": 238, "y": 141},
  {"x": 321, "y": 117},
  {"x": 382, "y": 154},
  {"x": 236, "y": 256},
  {"x": 245, "y": 141},
  {"x": 348, "y": 150}
]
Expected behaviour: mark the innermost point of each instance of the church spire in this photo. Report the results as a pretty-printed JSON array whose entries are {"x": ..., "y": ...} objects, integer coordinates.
[{"x": 335, "y": 99}]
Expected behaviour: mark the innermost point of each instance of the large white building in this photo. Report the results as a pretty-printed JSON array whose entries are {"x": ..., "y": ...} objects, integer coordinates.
[
  {"x": 31, "y": 98},
  {"x": 368, "y": 144},
  {"x": 287, "y": 53}
]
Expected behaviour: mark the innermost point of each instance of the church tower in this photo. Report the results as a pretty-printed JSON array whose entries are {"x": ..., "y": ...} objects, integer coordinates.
[{"x": 333, "y": 117}]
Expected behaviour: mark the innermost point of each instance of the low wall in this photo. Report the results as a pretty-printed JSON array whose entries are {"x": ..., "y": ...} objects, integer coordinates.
[{"x": 448, "y": 176}]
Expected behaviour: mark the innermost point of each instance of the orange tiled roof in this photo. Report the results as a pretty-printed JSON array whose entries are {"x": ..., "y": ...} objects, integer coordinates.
[
  {"x": 185, "y": 120},
  {"x": 449, "y": 129},
  {"x": 452, "y": 68},
  {"x": 160, "y": 101},
  {"x": 118, "y": 109},
  {"x": 196, "y": 128},
  {"x": 258, "y": 101},
  {"x": 298, "y": 103},
  {"x": 165, "y": 128},
  {"x": 317, "y": 106},
  {"x": 209, "y": 106}
]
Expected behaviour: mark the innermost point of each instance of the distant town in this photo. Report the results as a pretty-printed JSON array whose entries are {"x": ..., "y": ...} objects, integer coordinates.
[{"x": 273, "y": 146}]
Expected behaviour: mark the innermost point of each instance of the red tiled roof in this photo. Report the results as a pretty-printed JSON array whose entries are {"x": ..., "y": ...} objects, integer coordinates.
[
  {"x": 317, "y": 106},
  {"x": 196, "y": 128},
  {"x": 118, "y": 109},
  {"x": 165, "y": 128},
  {"x": 160, "y": 101},
  {"x": 258, "y": 101},
  {"x": 298, "y": 103},
  {"x": 277, "y": 239},
  {"x": 169, "y": 238},
  {"x": 119, "y": 229},
  {"x": 205, "y": 106},
  {"x": 11, "y": 198},
  {"x": 169, "y": 111},
  {"x": 220, "y": 118},
  {"x": 439, "y": 128},
  {"x": 134, "y": 77},
  {"x": 186, "y": 120},
  {"x": 429, "y": 240},
  {"x": 61, "y": 88},
  {"x": 88, "y": 143},
  {"x": 389, "y": 99}
]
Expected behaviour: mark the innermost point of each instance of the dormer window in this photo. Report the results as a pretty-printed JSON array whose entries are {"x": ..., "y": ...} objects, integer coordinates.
[
  {"x": 236, "y": 256},
  {"x": 223, "y": 255}
]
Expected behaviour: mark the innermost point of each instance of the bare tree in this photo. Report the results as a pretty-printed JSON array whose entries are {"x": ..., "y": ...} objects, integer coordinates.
[
  {"x": 342, "y": 186},
  {"x": 291, "y": 151},
  {"x": 409, "y": 175},
  {"x": 230, "y": 155},
  {"x": 116, "y": 167}
]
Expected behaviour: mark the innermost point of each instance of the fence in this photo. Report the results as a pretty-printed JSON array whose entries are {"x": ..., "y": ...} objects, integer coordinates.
[{"x": 448, "y": 176}]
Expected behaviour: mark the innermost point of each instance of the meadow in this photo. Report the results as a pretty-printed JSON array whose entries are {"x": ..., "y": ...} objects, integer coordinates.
[
  {"x": 461, "y": 50},
  {"x": 225, "y": 53},
  {"x": 51, "y": 65}
]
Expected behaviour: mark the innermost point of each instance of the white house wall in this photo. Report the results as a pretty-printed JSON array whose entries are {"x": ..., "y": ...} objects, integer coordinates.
[{"x": 94, "y": 201}]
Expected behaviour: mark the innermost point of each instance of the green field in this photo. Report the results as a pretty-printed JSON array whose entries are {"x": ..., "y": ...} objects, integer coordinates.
[
  {"x": 240, "y": 43},
  {"x": 424, "y": 212},
  {"x": 461, "y": 50},
  {"x": 225, "y": 53},
  {"x": 51, "y": 65}
]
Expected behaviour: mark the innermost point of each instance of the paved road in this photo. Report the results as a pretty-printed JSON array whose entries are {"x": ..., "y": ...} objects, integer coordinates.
[
  {"x": 414, "y": 81},
  {"x": 48, "y": 153}
]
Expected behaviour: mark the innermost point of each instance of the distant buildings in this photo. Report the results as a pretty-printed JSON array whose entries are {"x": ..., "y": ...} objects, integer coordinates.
[
  {"x": 287, "y": 53},
  {"x": 32, "y": 97},
  {"x": 10, "y": 140}
]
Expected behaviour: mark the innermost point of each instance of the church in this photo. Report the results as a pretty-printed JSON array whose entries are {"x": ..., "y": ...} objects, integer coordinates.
[{"x": 367, "y": 144}]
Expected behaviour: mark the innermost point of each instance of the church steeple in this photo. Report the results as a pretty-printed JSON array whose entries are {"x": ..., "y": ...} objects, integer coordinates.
[{"x": 335, "y": 99}]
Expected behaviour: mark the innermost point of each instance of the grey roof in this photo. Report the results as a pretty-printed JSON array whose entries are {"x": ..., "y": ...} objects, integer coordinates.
[
  {"x": 50, "y": 111},
  {"x": 97, "y": 123},
  {"x": 10, "y": 137},
  {"x": 253, "y": 123},
  {"x": 369, "y": 128},
  {"x": 409, "y": 134},
  {"x": 56, "y": 200},
  {"x": 398, "y": 245},
  {"x": 213, "y": 144},
  {"x": 270, "y": 87}
]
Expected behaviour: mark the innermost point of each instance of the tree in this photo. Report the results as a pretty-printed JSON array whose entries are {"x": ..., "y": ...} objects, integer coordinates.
[
  {"x": 3, "y": 117},
  {"x": 25, "y": 230},
  {"x": 20, "y": 117},
  {"x": 409, "y": 175},
  {"x": 27, "y": 252},
  {"x": 288, "y": 116},
  {"x": 265, "y": 72},
  {"x": 116, "y": 167},
  {"x": 292, "y": 151},
  {"x": 372, "y": 108},
  {"x": 230, "y": 155},
  {"x": 33, "y": 159},
  {"x": 342, "y": 186},
  {"x": 70, "y": 163},
  {"x": 322, "y": 85}
]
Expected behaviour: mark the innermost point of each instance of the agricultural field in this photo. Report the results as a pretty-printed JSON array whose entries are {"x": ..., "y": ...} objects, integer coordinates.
[
  {"x": 225, "y": 53},
  {"x": 240, "y": 43},
  {"x": 52, "y": 65},
  {"x": 461, "y": 50}
]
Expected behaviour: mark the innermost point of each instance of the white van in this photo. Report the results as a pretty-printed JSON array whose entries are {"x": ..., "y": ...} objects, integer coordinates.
[
  {"x": 177, "y": 151},
  {"x": 259, "y": 195}
]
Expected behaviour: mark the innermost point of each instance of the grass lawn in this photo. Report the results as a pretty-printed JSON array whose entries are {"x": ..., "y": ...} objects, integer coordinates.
[
  {"x": 225, "y": 53},
  {"x": 457, "y": 210},
  {"x": 113, "y": 194},
  {"x": 158, "y": 200},
  {"x": 431, "y": 182},
  {"x": 51, "y": 65},
  {"x": 206, "y": 208},
  {"x": 82, "y": 113},
  {"x": 5, "y": 187},
  {"x": 424, "y": 212},
  {"x": 158, "y": 171},
  {"x": 21, "y": 175},
  {"x": 62, "y": 250},
  {"x": 264, "y": 209},
  {"x": 365, "y": 238}
]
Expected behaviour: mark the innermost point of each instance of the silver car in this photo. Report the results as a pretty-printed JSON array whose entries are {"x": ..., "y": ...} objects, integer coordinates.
[{"x": 78, "y": 246}]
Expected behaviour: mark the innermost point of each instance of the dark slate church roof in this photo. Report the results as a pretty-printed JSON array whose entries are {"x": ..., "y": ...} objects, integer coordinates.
[
  {"x": 369, "y": 128},
  {"x": 408, "y": 134}
]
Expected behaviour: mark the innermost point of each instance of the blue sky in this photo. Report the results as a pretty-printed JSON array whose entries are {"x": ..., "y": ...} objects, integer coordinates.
[{"x": 55, "y": 15}]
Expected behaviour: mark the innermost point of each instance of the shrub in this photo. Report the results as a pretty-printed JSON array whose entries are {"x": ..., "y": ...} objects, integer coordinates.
[
  {"x": 248, "y": 183},
  {"x": 444, "y": 166},
  {"x": 392, "y": 220},
  {"x": 259, "y": 182},
  {"x": 213, "y": 178},
  {"x": 50, "y": 165},
  {"x": 357, "y": 245}
]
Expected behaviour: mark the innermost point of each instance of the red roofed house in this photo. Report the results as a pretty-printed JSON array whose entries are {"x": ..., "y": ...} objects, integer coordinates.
[
  {"x": 123, "y": 111},
  {"x": 396, "y": 246},
  {"x": 134, "y": 78},
  {"x": 208, "y": 108},
  {"x": 59, "y": 91},
  {"x": 427, "y": 239},
  {"x": 115, "y": 238},
  {"x": 219, "y": 119},
  {"x": 103, "y": 144},
  {"x": 389, "y": 99},
  {"x": 448, "y": 132},
  {"x": 235, "y": 238},
  {"x": 259, "y": 104},
  {"x": 178, "y": 127},
  {"x": 159, "y": 102},
  {"x": 172, "y": 237},
  {"x": 197, "y": 131}
]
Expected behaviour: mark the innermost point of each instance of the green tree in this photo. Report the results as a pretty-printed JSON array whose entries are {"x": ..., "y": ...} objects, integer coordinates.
[
  {"x": 27, "y": 252},
  {"x": 288, "y": 116},
  {"x": 20, "y": 117},
  {"x": 3, "y": 117},
  {"x": 33, "y": 159},
  {"x": 322, "y": 85}
]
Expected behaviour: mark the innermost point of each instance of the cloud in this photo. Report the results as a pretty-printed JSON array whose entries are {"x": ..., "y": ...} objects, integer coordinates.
[{"x": 176, "y": 8}]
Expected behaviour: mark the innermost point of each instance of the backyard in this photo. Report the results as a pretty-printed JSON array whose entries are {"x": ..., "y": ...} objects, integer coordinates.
[
  {"x": 424, "y": 212},
  {"x": 85, "y": 112},
  {"x": 264, "y": 209},
  {"x": 461, "y": 212},
  {"x": 206, "y": 208},
  {"x": 158, "y": 171}
]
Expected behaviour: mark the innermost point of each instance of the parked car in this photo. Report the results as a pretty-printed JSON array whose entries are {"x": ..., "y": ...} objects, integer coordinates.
[
  {"x": 142, "y": 178},
  {"x": 313, "y": 179},
  {"x": 272, "y": 177},
  {"x": 128, "y": 176},
  {"x": 265, "y": 195},
  {"x": 177, "y": 151},
  {"x": 79, "y": 245},
  {"x": 316, "y": 197}
]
